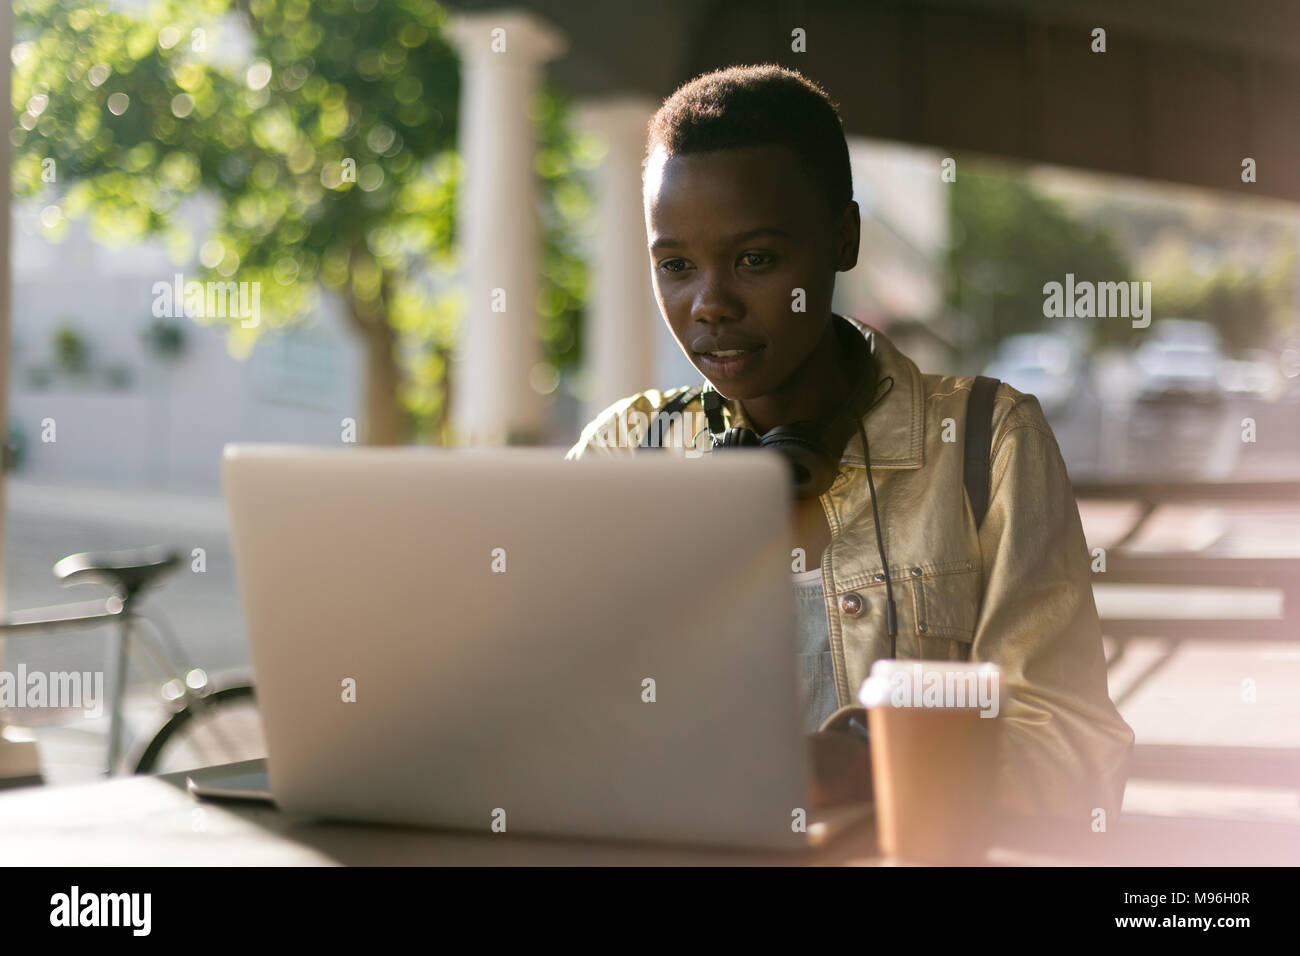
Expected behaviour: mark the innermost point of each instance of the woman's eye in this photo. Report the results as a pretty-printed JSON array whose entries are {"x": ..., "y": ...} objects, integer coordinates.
[
  {"x": 756, "y": 258},
  {"x": 673, "y": 265}
]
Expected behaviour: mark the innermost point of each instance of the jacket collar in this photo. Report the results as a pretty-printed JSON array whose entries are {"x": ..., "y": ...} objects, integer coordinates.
[{"x": 896, "y": 426}]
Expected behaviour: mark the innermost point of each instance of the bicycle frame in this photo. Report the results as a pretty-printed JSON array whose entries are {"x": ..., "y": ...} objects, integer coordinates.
[{"x": 120, "y": 608}]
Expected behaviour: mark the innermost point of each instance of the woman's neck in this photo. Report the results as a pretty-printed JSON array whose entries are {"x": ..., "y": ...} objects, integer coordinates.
[{"x": 818, "y": 386}]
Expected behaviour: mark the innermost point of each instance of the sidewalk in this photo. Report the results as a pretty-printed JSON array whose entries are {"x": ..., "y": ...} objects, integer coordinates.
[
  {"x": 74, "y": 748},
  {"x": 143, "y": 509}
]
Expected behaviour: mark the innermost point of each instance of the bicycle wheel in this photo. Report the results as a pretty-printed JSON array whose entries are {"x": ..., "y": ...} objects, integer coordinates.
[{"x": 224, "y": 728}]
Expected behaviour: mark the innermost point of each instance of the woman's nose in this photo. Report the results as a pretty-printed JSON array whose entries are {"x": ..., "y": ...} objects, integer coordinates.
[{"x": 715, "y": 300}]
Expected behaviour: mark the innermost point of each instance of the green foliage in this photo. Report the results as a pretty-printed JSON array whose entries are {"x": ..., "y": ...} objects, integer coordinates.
[
  {"x": 1008, "y": 241},
  {"x": 165, "y": 338},
  {"x": 70, "y": 349},
  {"x": 329, "y": 145},
  {"x": 1249, "y": 307},
  {"x": 561, "y": 163}
]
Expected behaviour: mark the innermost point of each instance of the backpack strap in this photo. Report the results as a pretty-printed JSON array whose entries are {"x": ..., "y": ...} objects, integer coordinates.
[
  {"x": 659, "y": 422},
  {"x": 979, "y": 440}
]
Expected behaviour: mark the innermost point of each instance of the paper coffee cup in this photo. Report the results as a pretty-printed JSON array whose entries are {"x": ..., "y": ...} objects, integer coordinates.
[{"x": 934, "y": 741}]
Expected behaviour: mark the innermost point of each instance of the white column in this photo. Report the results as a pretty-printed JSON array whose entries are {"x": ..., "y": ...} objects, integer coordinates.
[
  {"x": 502, "y": 54},
  {"x": 622, "y": 316}
]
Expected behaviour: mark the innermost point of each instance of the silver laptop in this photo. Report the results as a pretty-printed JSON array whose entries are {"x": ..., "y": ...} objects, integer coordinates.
[{"x": 504, "y": 641}]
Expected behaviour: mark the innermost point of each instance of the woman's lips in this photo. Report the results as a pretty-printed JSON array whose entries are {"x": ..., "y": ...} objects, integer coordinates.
[{"x": 729, "y": 364}]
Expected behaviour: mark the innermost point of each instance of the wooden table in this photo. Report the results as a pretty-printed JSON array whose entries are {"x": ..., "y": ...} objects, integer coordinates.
[{"x": 156, "y": 821}]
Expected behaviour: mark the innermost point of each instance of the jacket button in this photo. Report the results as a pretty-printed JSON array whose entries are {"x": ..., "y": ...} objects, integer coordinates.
[
  {"x": 921, "y": 628},
  {"x": 916, "y": 572},
  {"x": 852, "y": 604},
  {"x": 878, "y": 576}
]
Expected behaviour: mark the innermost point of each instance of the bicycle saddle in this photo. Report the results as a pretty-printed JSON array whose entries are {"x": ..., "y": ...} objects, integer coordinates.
[{"x": 124, "y": 571}]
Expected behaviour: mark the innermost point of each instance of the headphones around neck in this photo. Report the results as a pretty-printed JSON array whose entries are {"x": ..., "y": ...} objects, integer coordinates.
[{"x": 813, "y": 447}]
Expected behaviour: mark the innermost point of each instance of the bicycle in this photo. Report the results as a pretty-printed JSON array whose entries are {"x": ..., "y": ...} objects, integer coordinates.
[{"x": 202, "y": 711}]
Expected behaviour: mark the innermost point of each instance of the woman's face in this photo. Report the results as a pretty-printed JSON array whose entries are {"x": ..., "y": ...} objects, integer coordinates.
[{"x": 743, "y": 254}]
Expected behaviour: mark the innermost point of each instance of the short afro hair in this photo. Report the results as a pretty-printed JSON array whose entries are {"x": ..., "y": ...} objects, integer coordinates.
[{"x": 754, "y": 106}]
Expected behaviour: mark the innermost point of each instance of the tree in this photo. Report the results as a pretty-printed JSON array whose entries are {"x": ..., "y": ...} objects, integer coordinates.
[
  {"x": 1008, "y": 241},
  {"x": 326, "y": 131}
]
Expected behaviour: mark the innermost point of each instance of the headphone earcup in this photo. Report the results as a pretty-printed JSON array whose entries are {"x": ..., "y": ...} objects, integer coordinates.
[
  {"x": 812, "y": 469},
  {"x": 739, "y": 438}
]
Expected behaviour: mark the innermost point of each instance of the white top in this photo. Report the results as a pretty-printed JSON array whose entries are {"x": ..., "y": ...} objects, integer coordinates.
[
  {"x": 814, "y": 664},
  {"x": 807, "y": 577}
]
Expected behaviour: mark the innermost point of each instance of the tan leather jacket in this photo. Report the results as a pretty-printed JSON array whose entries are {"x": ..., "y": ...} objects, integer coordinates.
[{"x": 1018, "y": 592}]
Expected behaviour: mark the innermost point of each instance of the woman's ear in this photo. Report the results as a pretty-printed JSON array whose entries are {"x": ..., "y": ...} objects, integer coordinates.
[{"x": 848, "y": 233}]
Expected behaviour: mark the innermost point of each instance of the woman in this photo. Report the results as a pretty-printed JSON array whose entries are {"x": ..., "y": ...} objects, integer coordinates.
[{"x": 749, "y": 216}]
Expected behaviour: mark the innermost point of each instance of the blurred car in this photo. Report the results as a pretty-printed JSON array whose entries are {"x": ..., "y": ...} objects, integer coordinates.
[
  {"x": 1254, "y": 374},
  {"x": 1179, "y": 362},
  {"x": 1289, "y": 366},
  {"x": 1047, "y": 365},
  {"x": 1192, "y": 332}
]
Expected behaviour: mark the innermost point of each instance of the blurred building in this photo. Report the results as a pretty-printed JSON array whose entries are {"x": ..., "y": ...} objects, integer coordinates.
[{"x": 138, "y": 401}]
